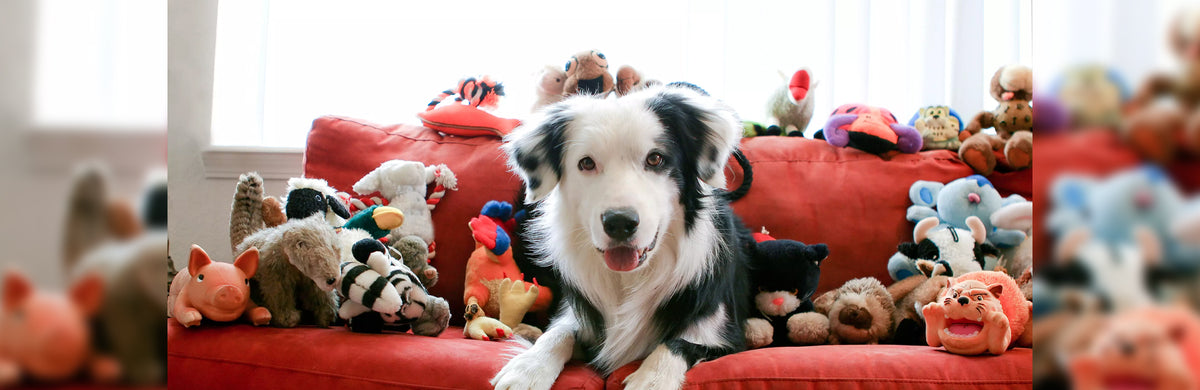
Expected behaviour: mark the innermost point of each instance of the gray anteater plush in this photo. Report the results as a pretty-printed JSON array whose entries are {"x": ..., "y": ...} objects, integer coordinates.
[{"x": 298, "y": 260}]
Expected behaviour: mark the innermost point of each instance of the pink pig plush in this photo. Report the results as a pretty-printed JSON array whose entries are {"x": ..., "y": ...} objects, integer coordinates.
[
  {"x": 45, "y": 337},
  {"x": 215, "y": 290}
]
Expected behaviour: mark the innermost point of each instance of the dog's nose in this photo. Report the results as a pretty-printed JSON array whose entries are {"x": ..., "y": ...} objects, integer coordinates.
[
  {"x": 620, "y": 224},
  {"x": 963, "y": 300}
]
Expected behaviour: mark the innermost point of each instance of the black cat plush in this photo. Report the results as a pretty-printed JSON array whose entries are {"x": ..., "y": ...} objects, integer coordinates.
[{"x": 784, "y": 274}]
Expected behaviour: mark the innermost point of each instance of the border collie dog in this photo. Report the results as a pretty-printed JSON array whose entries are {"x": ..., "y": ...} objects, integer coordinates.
[{"x": 632, "y": 215}]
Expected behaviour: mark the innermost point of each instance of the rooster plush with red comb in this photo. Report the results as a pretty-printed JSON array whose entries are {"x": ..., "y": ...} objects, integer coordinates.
[{"x": 494, "y": 283}]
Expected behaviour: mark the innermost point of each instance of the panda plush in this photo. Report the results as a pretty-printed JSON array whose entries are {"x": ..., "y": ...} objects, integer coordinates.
[{"x": 784, "y": 275}]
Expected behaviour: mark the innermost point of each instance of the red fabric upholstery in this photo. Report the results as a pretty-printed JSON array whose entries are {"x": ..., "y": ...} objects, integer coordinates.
[
  {"x": 240, "y": 356},
  {"x": 804, "y": 189},
  {"x": 855, "y": 367}
]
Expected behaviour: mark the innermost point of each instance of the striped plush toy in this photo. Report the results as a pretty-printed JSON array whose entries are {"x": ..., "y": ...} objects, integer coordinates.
[{"x": 379, "y": 291}]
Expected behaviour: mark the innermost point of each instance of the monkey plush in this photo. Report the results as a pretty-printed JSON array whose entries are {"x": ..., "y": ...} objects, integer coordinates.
[{"x": 1012, "y": 87}]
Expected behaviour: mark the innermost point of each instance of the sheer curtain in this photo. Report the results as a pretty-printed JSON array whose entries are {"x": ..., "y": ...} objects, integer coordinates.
[{"x": 280, "y": 64}]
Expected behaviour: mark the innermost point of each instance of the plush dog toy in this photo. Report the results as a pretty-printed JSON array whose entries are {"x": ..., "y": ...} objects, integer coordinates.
[
  {"x": 859, "y": 312},
  {"x": 959, "y": 251},
  {"x": 215, "y": 290},
  {"x": 953, "y": 202},
  {"x": 403, "y": 184},
  {"x": 792, "y": 104},
  {"x": 939, "y": 126},
  {"x": 981, "y": 312},
  {"x": 784, "y": 274},
  {"x": 493, "y": 281},
  {"x": 870, "y": 129},
  {"x": 378, "y": 291},
  {"x": 46, "y": 338},
  {"x": 1012, "y": 87}
]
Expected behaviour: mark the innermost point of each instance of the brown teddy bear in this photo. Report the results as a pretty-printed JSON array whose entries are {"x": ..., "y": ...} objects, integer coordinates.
[
  {"x": 859, "y": 312},
  {"x": 1159, "y": 132},
  {"x": 1012, "y": 87}
]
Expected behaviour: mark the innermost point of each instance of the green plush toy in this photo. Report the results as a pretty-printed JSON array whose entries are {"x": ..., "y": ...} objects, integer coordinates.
[{"x": 376, "y": 220}]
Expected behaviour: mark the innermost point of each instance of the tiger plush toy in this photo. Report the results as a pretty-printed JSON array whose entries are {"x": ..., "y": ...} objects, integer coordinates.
[
  {"x": 939, "y": 127},
  {"x": 378, "y": 291}
]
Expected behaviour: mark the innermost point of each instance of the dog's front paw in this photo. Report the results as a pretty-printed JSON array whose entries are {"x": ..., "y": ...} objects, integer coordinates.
[
  {"x": 662, "y": 370},
  {"x": 526, "y": 371}
]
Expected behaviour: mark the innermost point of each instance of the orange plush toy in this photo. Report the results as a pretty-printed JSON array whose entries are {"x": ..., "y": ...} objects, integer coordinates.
[
  {"x": 490, "y": 284},
  {"x": 981, "y": 312}
]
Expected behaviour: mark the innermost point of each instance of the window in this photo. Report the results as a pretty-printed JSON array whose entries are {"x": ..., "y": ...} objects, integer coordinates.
[{"x": 281, "y": 64}]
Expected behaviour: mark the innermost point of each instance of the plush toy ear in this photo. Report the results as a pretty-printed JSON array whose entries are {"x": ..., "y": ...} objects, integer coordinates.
[
  {"x": 1016, "y": 216},
  {"x": 825, "y": 302},
  {"x": 913, "y": 121},
  {"x": 88, "y": 293},
  {"x": 978, "y": 231},
  {"x": 17, "y": 288},
  {"x": 337, "y": 207},
  {"x": 1149, "y": 244},
  {"x": 996, "y": 289},
  {"x": 535, "y": 150},
  {"x": 821, "y": 251},
  {"x": 1071, "y": 192},
  {"x": 368, "y": 183},
  {"x": 247, "y": 262},
  {"x": 921, "y": 232},
  {"x": 924, "y": 193},
  {"x": 197, "y": 259}
]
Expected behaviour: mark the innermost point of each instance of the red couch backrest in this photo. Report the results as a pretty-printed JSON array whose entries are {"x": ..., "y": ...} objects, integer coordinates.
[{"x": 803, "y": 190}]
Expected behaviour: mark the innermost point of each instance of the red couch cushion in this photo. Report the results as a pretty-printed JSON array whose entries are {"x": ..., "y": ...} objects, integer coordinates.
[
  {"x": 240, "y": 356},
  {"x": 855, "y": 367},
  {"x": 803, "y": 190}
]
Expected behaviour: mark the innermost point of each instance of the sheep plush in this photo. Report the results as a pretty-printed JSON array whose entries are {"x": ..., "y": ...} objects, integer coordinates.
[
  {"x": 792, "y": 104},
  {"x": 403, "y": 183},
  {"x": 959, "y": 250},
  {"x": 396, "y": 298},
  {"x": 859, "y": 312},
  {"x": 784, "y": 274}
]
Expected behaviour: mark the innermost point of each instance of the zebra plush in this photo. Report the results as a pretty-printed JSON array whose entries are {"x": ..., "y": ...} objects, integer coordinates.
[{"x": 379, "y": 291}]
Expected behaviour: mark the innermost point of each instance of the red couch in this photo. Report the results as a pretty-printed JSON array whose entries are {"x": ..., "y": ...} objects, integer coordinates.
[{"x": 804, "y": 189}]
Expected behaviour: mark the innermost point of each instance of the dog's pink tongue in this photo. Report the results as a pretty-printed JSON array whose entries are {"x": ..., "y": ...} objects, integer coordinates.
[
  {"x": 964, "y": 329},
  {"x": 621, "y": 258}
]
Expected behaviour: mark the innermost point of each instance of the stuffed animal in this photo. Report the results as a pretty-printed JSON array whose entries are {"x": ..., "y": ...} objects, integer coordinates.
[
  {"x": 587, "y": 73},
  {"x": 981, "y": 312},
  {"x": 479, "y": 92},
  {"x": 1092, "y": 95},
  {"x": 870, "y": 129},
  {"x": 376, "y": 290},
  {"x": 1016, "y": 216},
  {"x": 1012, "y": 87},
  {"x": 377, "y": 221},
  {"x": 629, "y": 80},
  {"x": 549, "y": 87},
  {"x": 958, "y": 250},
  {"x": 1152, "y": 348},
  {"x": 415, "y": 255},
  {"x": 403, "y": 184},
  {"x": 1161, "y": 132},
  {"x": 784, "y": 274},
  {"x": 859, "y": 312},
  {"x": 45, "y": 337},
  {"x": 1115, "y": 270},
  {"x": 911, "y": 295},
  {"x": 298, "y": 268},
  {"x": 953, "y": 202},
  {"x": 939, "y": 127},
  {"x": 755, "y": 129},
  {"x": 792, "y": 104},
  {"x": 493, "y": 281},
  {"x": 219, "y": 291},
  {"x": 308, "y": 196}
]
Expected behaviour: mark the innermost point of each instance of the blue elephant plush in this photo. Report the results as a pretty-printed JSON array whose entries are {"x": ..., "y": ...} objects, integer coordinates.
[{"x": 957, "y": 200}]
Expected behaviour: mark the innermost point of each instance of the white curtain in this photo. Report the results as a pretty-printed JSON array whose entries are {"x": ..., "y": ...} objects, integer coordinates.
[{"x": 280, "y": 64}]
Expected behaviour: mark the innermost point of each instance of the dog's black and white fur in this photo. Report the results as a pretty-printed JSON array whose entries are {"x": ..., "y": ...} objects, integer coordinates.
[{"x": 652, "y": 161}]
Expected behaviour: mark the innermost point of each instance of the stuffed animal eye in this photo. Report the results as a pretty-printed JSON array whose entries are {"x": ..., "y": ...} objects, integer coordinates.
[
  {"x": 795, "y": 291},
  {"x": 587, "y": 164},
  {"x": 200, "y": 278},
  {"x": 654, "y": 159},
  {"x": 330, "y": 281},
  {"x": 601, "y": 55},
  {"x": 979, "y": 297},
  {"x": 568, "y": 67}
]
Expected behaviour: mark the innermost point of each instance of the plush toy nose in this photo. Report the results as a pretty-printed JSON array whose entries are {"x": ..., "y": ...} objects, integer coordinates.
[
  {"x": 935, "y": 116},
  {"x": 1006, "y": 96},
  {"x": 963, "y": 300},
  {"x": 857, "y": 317},
  {"x": 777, "y": 301},
  {"x": 973, "y": 198}
]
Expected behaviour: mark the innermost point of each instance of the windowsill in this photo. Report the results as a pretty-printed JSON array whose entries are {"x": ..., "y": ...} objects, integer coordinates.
[
  {"x": 57, "y": 149},
  {"x": 225, "y": 162}
]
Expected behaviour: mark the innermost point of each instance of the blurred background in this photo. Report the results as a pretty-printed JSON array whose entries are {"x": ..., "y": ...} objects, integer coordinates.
[{"x": 83, "y": 119}]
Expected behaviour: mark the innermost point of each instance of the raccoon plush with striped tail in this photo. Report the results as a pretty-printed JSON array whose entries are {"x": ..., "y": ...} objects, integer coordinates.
[{"x": 378, "y": 291}]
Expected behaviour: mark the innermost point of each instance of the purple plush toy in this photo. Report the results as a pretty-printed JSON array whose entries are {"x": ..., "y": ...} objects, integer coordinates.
[{"x": 870, "y": 129}]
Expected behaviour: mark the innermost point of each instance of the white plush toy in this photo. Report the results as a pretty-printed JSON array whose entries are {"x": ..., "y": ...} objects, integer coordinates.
[{"x": 403, "y": 183}]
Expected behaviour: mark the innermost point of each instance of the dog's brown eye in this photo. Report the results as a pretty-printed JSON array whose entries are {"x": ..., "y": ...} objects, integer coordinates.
[
  {"x": 587, "y": 164},
  {"x": 654, "y": 159}
]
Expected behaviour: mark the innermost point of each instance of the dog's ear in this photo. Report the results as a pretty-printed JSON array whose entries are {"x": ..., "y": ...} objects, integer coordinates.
[
  {"x": 535, "y": 151},
  {"x": 705, "y": 129}
]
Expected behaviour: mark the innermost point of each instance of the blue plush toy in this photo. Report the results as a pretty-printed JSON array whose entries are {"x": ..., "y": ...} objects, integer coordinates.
[
  {"x": 1112, "y": 208},
  {"x": 953, "y": 202}
]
